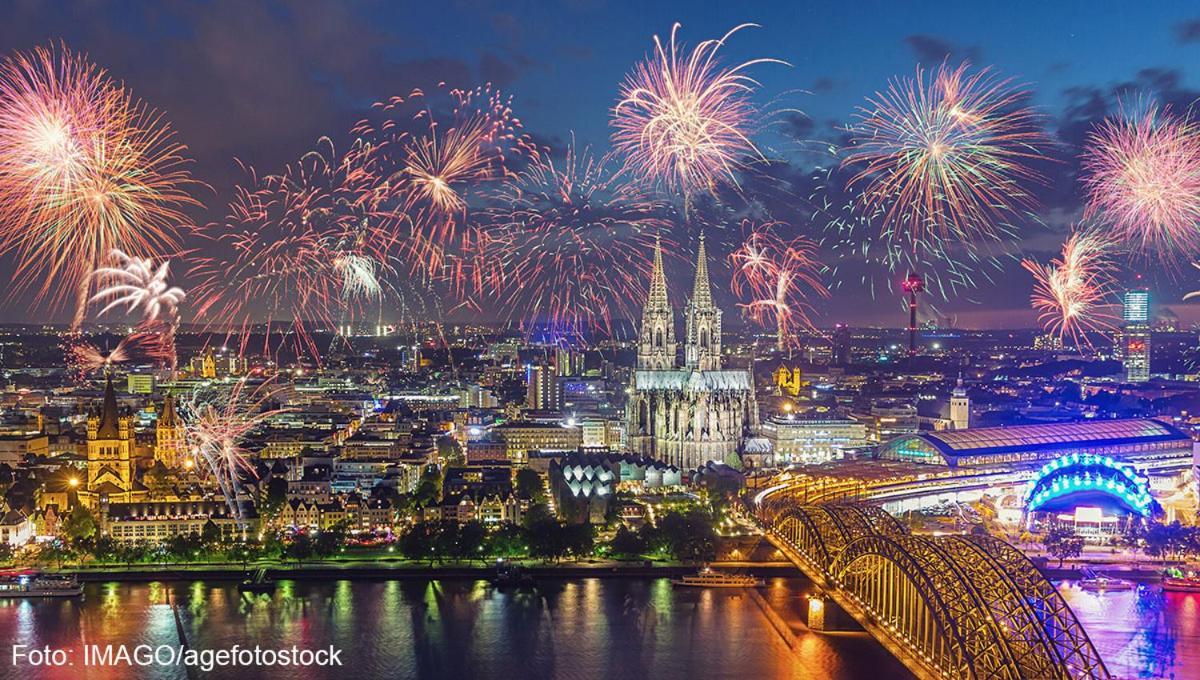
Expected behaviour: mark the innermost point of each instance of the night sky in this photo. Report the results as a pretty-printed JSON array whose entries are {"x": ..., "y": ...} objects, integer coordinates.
[{"x": 261, "y": 81}]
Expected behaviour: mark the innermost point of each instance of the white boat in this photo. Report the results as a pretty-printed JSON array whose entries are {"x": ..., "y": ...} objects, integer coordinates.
[
  {"x": 707, "y": 578},
  {"x": 35, "y": 584},
  {"x": 1101, "y": 583}
]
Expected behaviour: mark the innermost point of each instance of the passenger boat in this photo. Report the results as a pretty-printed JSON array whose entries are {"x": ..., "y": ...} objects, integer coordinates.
[
  {"x": 707, "y": 578},
  {"x": 1175, "y": 580},
  {"x": 32, "y": 583},
  {"x": 1100, "y": 583}
]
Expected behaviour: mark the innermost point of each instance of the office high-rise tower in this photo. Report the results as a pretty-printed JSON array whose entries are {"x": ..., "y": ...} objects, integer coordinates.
[{"x": 1135, "y": 335}]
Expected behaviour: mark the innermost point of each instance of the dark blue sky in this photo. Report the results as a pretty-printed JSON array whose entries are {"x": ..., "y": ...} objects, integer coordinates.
[{"x": 262, "y": 80}]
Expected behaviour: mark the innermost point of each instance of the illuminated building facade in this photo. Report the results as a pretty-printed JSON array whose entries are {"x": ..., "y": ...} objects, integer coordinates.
[
  {"x": 687, "y": 416},
  {"x": 1135, "y": 336}
]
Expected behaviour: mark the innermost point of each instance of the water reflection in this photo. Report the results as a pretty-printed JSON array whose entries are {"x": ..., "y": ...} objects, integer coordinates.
[
  {"x": 1141, "y": 633},
  {"x": 418, "y": 628}
]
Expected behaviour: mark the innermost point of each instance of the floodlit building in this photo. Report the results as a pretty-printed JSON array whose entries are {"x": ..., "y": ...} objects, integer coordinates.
[
  {"x": 810, "y": 440},
  {"x": 1146, "y": 442}
]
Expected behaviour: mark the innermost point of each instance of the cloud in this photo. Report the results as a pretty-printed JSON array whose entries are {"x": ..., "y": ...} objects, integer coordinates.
[
  {"x": 932, "y": 49},
  {"x": 1187, "y": 31}
]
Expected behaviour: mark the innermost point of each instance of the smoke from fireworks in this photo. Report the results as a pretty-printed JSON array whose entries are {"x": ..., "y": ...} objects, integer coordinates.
[
  {"x": 568, "y": 244},
  {"x": 686, "y": 121},
  {"x": 945, "y": 153},
  {"x": 217, "y": 424},
  {"x": 1070, "y": 292},
  {"x": 776, "y": 277},
  {"x": 84, "y": 169},
  {"x": 1142, "y": 173}
]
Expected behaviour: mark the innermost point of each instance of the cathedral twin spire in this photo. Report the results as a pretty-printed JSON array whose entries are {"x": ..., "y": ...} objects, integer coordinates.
[{"x": 656, "y": 345}]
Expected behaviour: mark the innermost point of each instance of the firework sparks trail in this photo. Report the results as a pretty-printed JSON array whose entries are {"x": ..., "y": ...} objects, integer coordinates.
[
  {"x": 686, "y": 122},
  {"x": 945, "y": 153},
  {"x": 1070, "y": 292},
  {"x": 84, "y": 356},
  {"x": 85, "y": 168},
  {"x": 296, "y": 245},
  {"x": 1142, "y": 174},
  {"x": 437, "y": 150},
  {"x": 567, "y": 244},
  {"x": 776, "y": 278},
  {"x": 217, "y": 424},
  {"x": 858, "y": 247}
]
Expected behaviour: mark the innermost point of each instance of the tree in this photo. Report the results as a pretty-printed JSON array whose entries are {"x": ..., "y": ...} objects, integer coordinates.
[
  {"x": 210, "y": 534},
  {"x": 508, "y": 540},
  {"x": 301, "y": 547},
  {"x": 1062, "y": 543},
  {"x": 470, "y": 541},
  {"x": 579, "y": 540},
  {"x": 547, "y": 539},
  {"x": 686, "y": 536},
  {"x": 529, "y": 485},
  {"x": 419, "y": 542},
  {"x": 627, "y": 544},
  {"x": 330, "y": 541},
  {"x": 80, "y": 524},
  {"x": 429, "y": 488}
]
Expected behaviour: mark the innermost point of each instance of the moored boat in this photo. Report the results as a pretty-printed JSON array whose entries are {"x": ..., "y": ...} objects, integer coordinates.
[
  {"x": 707, "y": 578},
  {"x": 32, "y": 583},
  {"x": 1095, "y": 582},
  {"x": 1176, "y": 580}
]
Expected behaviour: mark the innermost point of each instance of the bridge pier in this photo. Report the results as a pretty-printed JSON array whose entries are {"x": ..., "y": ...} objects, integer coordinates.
[{"x": 824, "y": 614}]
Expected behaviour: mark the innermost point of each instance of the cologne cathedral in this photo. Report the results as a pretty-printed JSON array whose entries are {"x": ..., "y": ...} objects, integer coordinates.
[{"x": 700, "y": 412}]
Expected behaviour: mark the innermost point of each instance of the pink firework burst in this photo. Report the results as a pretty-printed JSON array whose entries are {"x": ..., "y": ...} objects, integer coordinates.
[
  {"x": 85, "y": 168},
  {"x": 294, "y": 248},
  {"x": 1071, "y": 291},
  {"x": 686, "y": 121},
  {"x": 1142, "y": 174},
  {"x": 435, "y": 151},
  {"x": 776, "y": 277}
]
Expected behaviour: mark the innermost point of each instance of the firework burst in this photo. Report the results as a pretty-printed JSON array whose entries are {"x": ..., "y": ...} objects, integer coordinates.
[
  {"x": 84, "y": 169},
  {"x": 945, "y": 153},
  {"x": 776, "y": 277},
  {"x": 685, "y": 121},
  {"x": 137, "y": 284},
  {"x": 217, "y": 422},
  {"x": 435, "y": 151},
  {"x": 1070, "y": 292},
  {"x": 1142, "y": 174},
  {"x": 294, "y": 246},
  {"x": 567, "y": 244}
]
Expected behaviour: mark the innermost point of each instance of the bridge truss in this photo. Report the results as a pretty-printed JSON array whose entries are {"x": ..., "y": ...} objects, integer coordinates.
[{"x": 945, "y": 606}]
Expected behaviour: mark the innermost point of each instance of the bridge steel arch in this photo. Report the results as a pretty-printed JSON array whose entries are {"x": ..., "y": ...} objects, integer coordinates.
[{"x": 950, "y": 606}]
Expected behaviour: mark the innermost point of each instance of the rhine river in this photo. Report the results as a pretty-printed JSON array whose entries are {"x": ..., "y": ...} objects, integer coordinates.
[{"x": 570, "y": 628}]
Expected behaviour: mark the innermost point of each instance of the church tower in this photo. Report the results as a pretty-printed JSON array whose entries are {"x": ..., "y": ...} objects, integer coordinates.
[
  {"x": 960, "y": 407},
  {"x": 703, "y": 349},
  {"x": 110, "y": 460},
  {"x": 656, "y": 342},
  {"x": 168, "y": 435}
]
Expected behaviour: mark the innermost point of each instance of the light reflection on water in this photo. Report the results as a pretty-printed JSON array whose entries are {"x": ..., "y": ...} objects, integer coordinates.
[
  {"x": 1141, "y": 633},
  {"x": 417, "y": 628}
]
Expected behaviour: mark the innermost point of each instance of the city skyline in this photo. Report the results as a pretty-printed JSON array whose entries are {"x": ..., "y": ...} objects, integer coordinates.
[{"x": 560, "y": 86}]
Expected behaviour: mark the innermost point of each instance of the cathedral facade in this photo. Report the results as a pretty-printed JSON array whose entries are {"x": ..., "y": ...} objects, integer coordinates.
[{"x": 691, "y": 414}]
